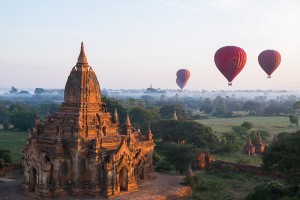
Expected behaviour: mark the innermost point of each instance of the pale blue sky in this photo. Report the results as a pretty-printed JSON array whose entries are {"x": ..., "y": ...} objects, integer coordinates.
[{"x": 133, "y": 43}]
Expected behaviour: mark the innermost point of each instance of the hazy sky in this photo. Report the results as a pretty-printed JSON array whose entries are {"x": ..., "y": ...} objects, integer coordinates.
[{"x": 133, "y": 43}]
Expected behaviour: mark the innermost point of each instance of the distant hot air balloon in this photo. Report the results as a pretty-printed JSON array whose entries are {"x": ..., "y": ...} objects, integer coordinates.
[
  {"x": 269, "y": 60},
  {"x": 230, "y": 61},
  {"x": 183, "y": 76}
]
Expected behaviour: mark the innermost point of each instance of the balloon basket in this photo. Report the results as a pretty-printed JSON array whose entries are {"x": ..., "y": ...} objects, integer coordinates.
[
  {"x": 269, "y": 76},
  {"x": 229, "y": 84}
]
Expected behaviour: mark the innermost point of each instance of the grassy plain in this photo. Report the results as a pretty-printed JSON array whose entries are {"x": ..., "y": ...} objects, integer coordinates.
[
  {"x": 270, "y": 124},
  {"x": 226, "y": 185},
  {"x": 15, "y": 142},
  {"x": 240, "y": 158}
]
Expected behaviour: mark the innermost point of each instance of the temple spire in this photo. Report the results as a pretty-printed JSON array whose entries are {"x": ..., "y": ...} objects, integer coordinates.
[
  {"x": 259, "y": 139},
  {"x": 116, "y": 117},
  {"x": 128, "y": 120},
  {"x": 149, "y": 133},
  {"x": 249, "y": 140},
  {"x": 174, "y": 116},
  {"x": 275, "y": 139},
  {"x": 82, "y": 59}
]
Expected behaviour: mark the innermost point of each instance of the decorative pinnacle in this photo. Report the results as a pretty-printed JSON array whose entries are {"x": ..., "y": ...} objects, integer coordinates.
[
  {"x": 259, "y": 139},
  {"x": 149, "y": 133},
  {"x": 82, "y": 59},
  {"x": 174, "y": 115},
  {"x": 249, "y": 140},
  {"x": 116, "y": 113},
  {"x": 128, "y": 120}
]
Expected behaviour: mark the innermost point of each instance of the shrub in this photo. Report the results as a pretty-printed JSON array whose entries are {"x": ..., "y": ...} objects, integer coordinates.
[
  {"x": 272, "y": 191},
  {"x": 5, "y": 154},
  {"x": 164, "y": 166},
  {"x": 247, "y": 125}
]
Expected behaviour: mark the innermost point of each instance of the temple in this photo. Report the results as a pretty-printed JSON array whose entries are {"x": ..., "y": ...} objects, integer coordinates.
[
  {"x": 258, "y": 148},
  {"x": 83, "y": 149}
]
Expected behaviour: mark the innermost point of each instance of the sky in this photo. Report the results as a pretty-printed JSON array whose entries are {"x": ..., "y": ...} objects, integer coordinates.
[{"x": 135, "y": 43}]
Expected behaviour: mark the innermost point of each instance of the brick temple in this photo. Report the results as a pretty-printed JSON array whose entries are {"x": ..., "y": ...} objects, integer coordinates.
[
  {"x": 83, "y": 149},
  {"x": 258, "y": 148}
]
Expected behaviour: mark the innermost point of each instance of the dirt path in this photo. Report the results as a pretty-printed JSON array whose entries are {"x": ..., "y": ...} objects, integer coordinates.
[{"x": 163, "y": 187}]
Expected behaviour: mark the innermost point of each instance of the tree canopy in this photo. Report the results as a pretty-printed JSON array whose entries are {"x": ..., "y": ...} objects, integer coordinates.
[
  {"x": 166, "y": 112},
  {"x": 284, "y": 155},
  {"x": 185, "y": 132}
]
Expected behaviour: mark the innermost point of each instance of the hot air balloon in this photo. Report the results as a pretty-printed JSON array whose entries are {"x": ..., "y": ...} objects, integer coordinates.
[
  {"x": 269, "y": 61},
  {"x": 230, "y": 61},
  {"x": 183, "y": 76}
]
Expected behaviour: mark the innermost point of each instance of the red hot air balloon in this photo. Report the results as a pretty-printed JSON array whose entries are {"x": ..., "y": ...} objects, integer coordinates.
[
  {"x": 183, "y": 76},
  {"x": 269, "y": 60},
  {"x": 230, "y": 61}
]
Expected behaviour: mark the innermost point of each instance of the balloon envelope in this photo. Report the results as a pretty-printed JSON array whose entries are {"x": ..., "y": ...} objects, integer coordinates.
[
  {"x": 269, "y": 60},
  {"x": 230, "y": 60},
  {"x": 183, "y": 76}
]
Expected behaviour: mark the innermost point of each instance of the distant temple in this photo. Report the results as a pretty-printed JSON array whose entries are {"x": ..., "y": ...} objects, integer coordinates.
[
  {"x": 258, "y": 148},
  {"x": 83, "y": 149},
  {"x": 204, "y": 160}
]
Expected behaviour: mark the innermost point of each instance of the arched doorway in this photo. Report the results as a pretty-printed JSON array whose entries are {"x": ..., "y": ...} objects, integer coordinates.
[
  {"x": 123, "y": 179},
  {"x": 32, "y": 179}
]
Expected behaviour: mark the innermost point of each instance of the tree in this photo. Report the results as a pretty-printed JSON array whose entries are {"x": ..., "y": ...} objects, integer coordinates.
[
  {"x": 185, "y": 132},
  {"x": 240, "y": 130},
  {"x": 220, "y": 106},
  {"x": 273, "y": 191},
  {"x": 296, "y": 107},
  {"x": 5, "y": 124},
  {"x": 113, "y": 104},
  {"x": 39, "y": 91},
  {"x": 149, "y": 100},
  {"x": 293, "y": 119},
  {"x": 231, "y": 142},
  {"x": 5, "y": 154},
  {"x": 44, "y": 107},
  {"x": 277, "y": 110},
  {"x": 4, "y": 113},
  {"x": 21, "y": 117},
  {"x": 180, "y": 156},
  {"x": 207, "y": 106},
  {"x": 247, "y": 125},
  {"x": 252, "y": 106},
  {"x": 166, "y": 112},
  {"x": 13, "y": 90},
  {"x": 283, "y": 155},
  {"x": 141, "y": 117}
]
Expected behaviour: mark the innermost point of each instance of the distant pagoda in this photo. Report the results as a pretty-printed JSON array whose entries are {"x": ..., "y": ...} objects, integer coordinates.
[
  {"x": 258, "y": 148},
  {"x": 83, "y": 149}
]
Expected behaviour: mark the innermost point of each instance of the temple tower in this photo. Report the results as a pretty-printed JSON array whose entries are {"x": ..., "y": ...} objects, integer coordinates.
[{"x": 82, "y": 149}]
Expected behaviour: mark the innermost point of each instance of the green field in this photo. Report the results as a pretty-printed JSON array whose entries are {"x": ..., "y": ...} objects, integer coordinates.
[
  {"x": 239, "y": 158},
  {"x": 15, "y": 142},
  {"x": 226, "y": 185},
  {"x": 270, "y": 124}
]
